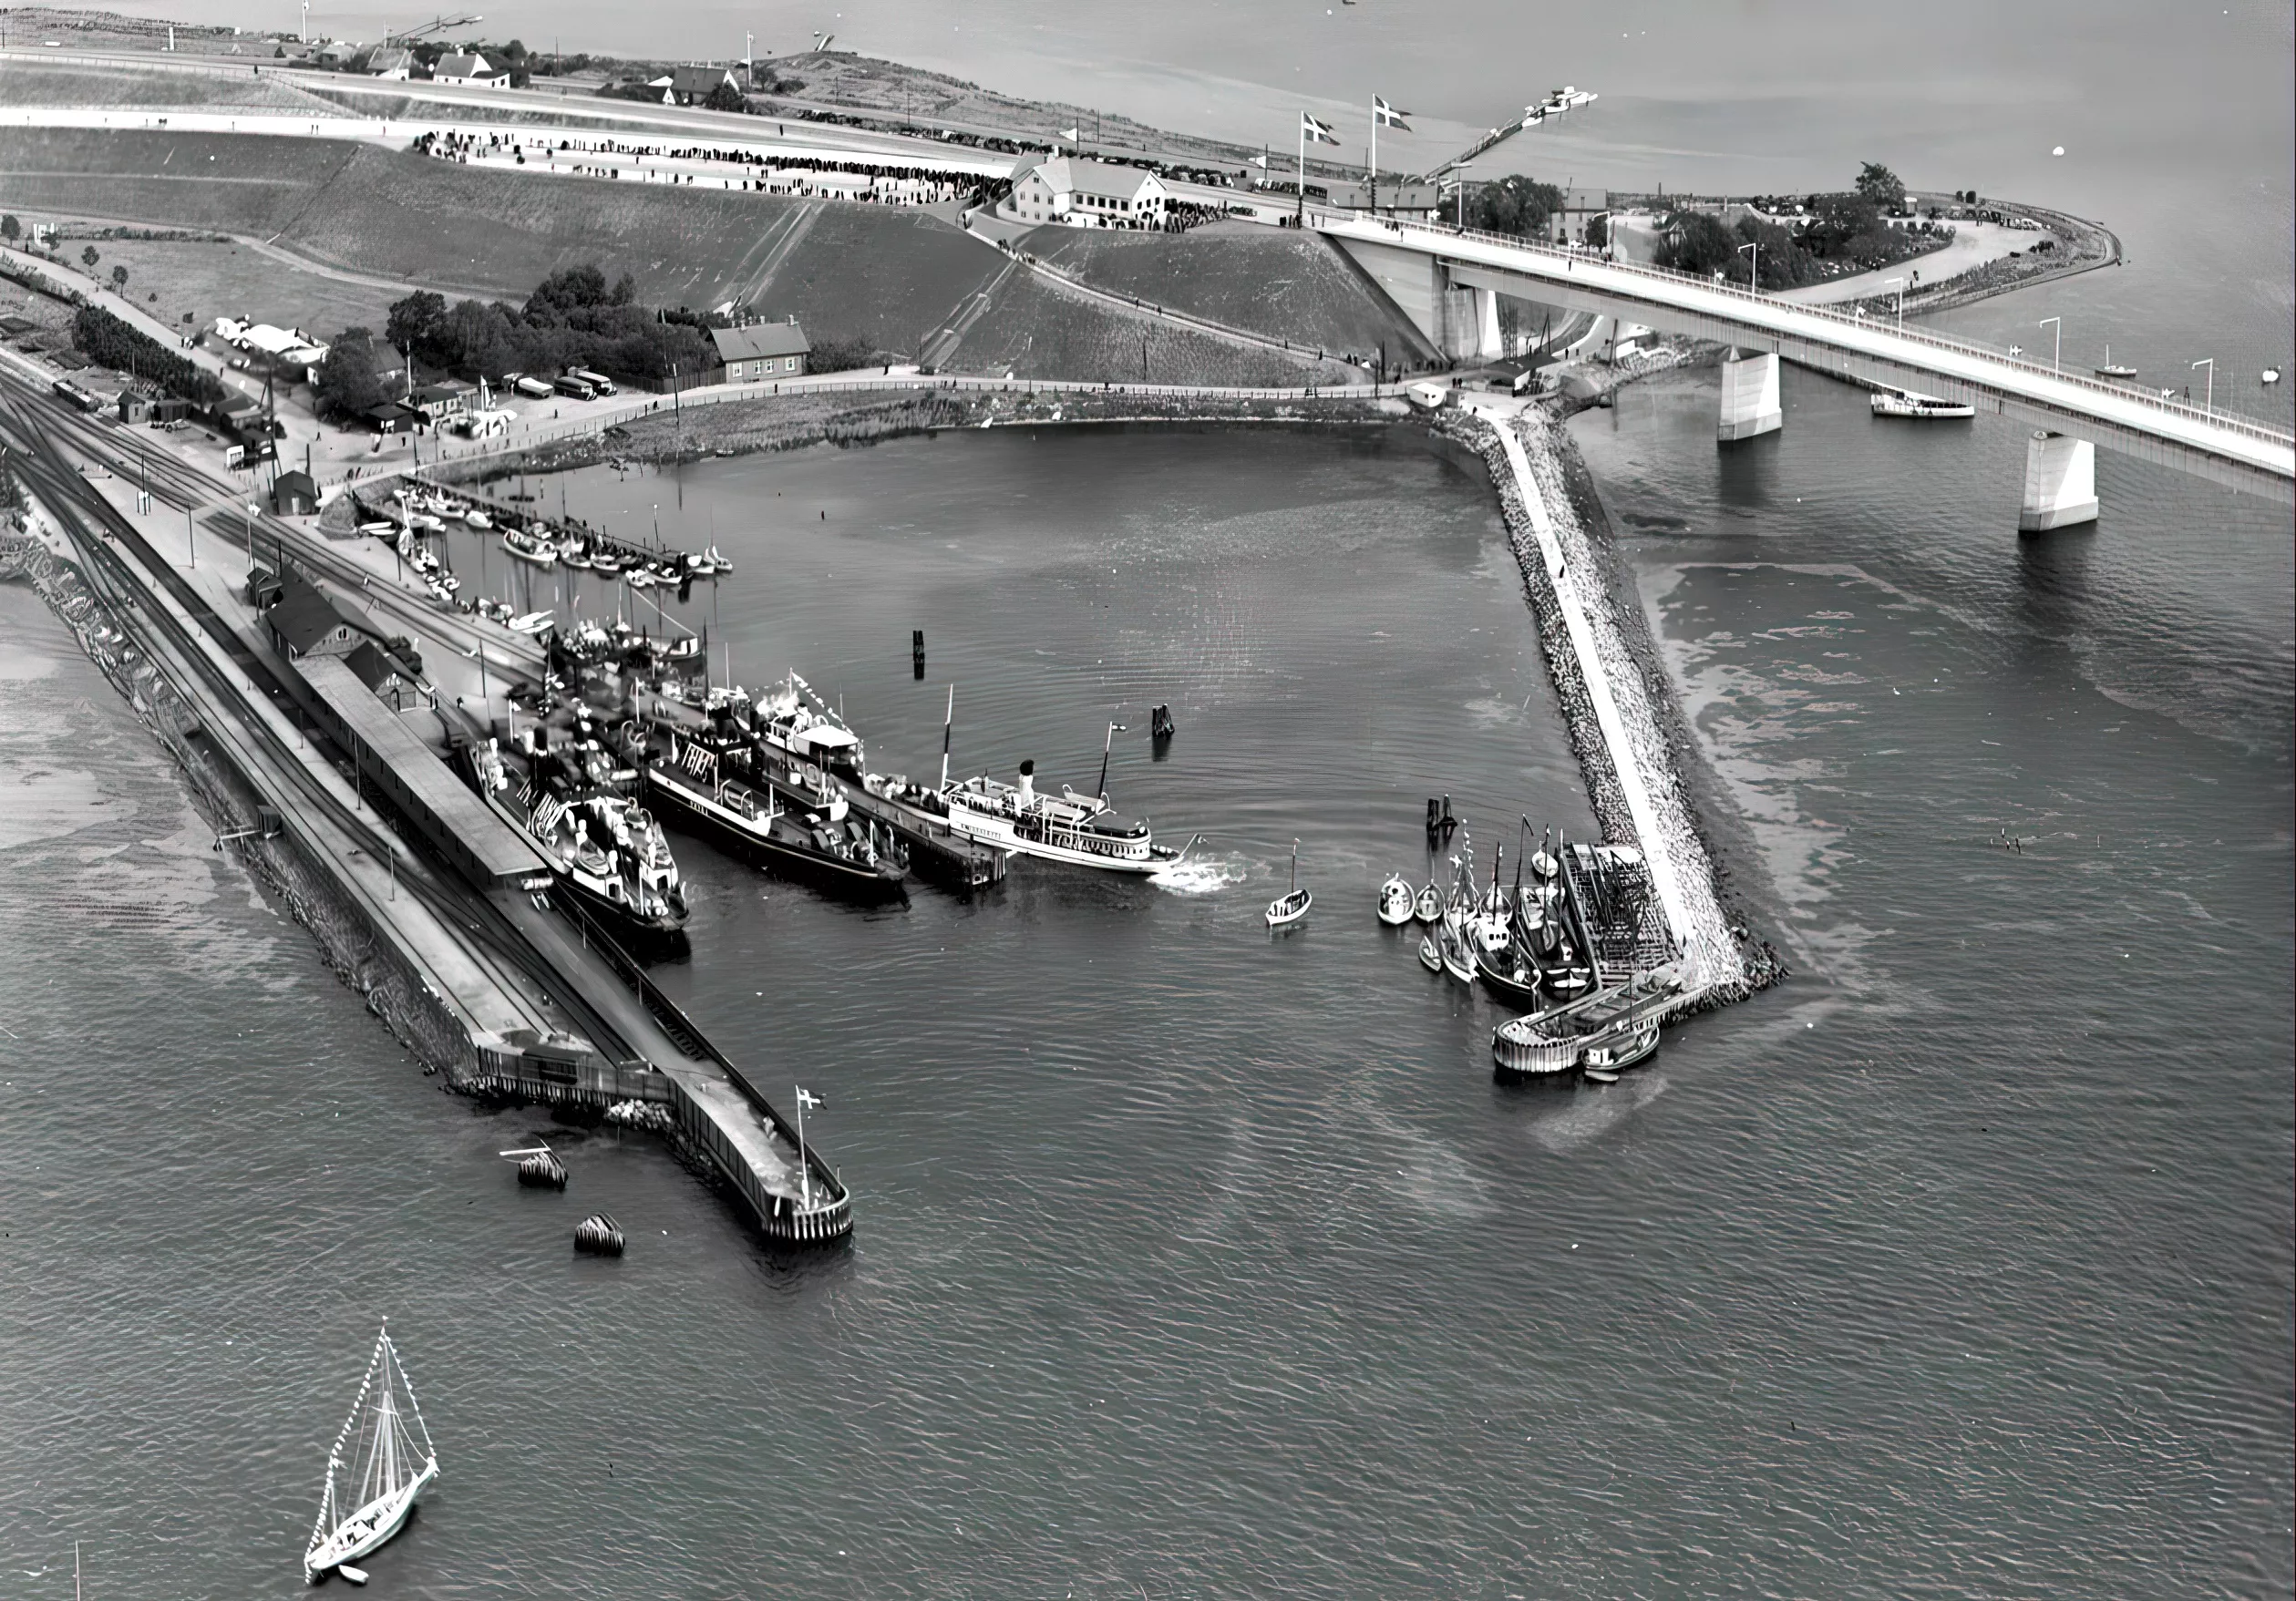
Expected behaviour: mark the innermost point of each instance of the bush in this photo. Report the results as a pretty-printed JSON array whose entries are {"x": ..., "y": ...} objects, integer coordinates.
[
  {"x": 107, "y": 339},
  {"x": 726, "y": 98},
  {"x": 840, "y": 355},
  {"x": 573, "y": 319}
]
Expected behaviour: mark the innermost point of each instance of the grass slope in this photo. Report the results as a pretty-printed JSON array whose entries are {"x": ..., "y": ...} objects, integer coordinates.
[
  {"x": 234, "y": 184},
  {"x": 40, "y": 83},
  {"x": 1273, "y": 281},
  {"x": 210, "y": 280},
  {"x": 1043, "y": 331}
]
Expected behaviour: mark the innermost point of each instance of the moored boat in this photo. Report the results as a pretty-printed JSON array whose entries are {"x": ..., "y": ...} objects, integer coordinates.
[
  {"x": 1904, "y": 402},
  {"x": 527, "y": 547},
  {"x": 1396, "y": 902},
  {"x": 1290, "y": 907},
  {"x": 711, "y": 784}
]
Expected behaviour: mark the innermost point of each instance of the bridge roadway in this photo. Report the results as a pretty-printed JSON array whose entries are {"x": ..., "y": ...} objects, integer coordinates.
[{"x": 2236, "y": 451}]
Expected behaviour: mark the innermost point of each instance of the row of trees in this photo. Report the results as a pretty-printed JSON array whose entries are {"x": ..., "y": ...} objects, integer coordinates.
[
  {"x": 1844, "y": 232},
  {"x": 1515, "y": 204},
  {"x": 113, "y": 343}
]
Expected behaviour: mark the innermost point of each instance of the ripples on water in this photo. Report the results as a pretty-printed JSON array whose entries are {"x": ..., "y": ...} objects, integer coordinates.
[{"x": 1198, "y": 1261}]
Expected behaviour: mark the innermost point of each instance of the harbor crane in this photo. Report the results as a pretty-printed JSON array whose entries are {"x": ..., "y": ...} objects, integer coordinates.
[
  {"x": 438, "y": 24},
  {"x": 1569, "y": 97}
]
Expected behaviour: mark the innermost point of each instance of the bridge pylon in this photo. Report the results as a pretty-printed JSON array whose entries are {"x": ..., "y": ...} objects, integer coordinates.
[
  {"x": 1750, "y": 404},
  {"x": 2059, "y": 483}
]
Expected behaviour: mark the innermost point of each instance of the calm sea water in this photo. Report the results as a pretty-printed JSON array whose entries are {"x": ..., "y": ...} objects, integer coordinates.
[{"x": 1192, "y": 1262}]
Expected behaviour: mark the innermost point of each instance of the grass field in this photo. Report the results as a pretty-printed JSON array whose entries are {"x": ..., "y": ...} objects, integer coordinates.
[
  {"x": 228, "y": 183},
  {"x": 62, "y": 84},
  {"x": 1042, "y": 331},
  {"x": 210, "y": 280},
  {"x": 1273, "y": 281}
]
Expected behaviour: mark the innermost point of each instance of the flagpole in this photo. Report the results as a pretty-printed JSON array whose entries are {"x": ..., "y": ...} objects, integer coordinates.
[
  {"x": 1300, "y": 211},
  {"x": 1374, "y": 173}
]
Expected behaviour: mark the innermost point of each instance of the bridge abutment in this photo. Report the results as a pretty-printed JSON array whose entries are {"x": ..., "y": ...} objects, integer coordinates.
[
  {"x": 1750, "y": 404},
  {"x": 2059, "y": 483}
]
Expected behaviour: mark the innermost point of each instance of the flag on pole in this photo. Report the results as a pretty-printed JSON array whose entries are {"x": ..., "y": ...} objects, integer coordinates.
[
  {"x": 1259, "y": 160},
  {"x": 1070, "y": 134},
  {"x": 808, "y": 1099},
  {"x": 1321, "y": 132},
  {"x": 1386, "y": 115}
]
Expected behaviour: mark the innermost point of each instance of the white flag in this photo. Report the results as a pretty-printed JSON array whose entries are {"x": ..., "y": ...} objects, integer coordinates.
[
  {"x": 1321, "y": 132},
  {"x": 808, "y": 1099},
  {"x": 1072, "y": 134},
  {"x": 1388, "y": 116},
  {"x": 1259, "y": 160}
]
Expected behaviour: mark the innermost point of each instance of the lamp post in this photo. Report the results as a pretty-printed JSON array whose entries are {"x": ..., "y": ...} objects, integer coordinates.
[
  {"x": 1754, "y": 274},
  {"x": 1901, "y": 284},
  {"x": 2056, "y": 353},
  {"x": 2210, "y": 362}
]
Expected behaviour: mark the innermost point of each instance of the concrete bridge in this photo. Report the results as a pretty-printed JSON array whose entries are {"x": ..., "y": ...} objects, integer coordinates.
[{"x": 1447, "y": 281}]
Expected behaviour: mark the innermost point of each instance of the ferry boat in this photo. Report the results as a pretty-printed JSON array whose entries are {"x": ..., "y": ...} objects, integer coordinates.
[
  {"x": 711, "y": 782},
  {"x": 1079, "y": 830},
  {"x": 607, "y": 851},
  {"x": 1904, "y": 403}
]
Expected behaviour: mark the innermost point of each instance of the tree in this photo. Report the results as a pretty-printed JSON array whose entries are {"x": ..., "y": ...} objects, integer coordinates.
[
  {"x": 89, "y": 258},
  {"x": 1598, "y": 230},
  {"x": 413, "y": 320},
  {"x": 726, "y": 98},
  {"x": 1880, "y": 186},
  {"x": 119, "y": 278},
  {"x": 1696, "y": 242},
  {"x": 346, "y": 385},
  {"x": 10, "y": 229},
  {"x": 1516, "y": 205}
]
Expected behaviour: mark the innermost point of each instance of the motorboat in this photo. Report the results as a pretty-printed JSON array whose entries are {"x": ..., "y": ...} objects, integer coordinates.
[
  {"x": 1292, "y": 905},
  {"x": 1904, "y": 403},
  {"x": 360, "y": 1512},
  {"x": 1429, "y": 906},
  {"x": 526, "y": 546},
  {"x": 1396, "y": 902}
]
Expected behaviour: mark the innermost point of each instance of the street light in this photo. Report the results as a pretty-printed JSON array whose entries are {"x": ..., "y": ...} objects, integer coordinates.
[
  {"x": 1901, "y": 284},
  {"x": 2056, "y": 355},
  {"x": 2210, "y": 362},
  {"x": 1754, "y": 275}
]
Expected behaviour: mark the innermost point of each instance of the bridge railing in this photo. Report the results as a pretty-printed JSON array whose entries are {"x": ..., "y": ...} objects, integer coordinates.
[{"x": 2185, "y": 409}]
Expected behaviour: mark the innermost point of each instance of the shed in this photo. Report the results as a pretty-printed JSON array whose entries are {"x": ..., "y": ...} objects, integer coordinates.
[{"x": 294, "y": 494}]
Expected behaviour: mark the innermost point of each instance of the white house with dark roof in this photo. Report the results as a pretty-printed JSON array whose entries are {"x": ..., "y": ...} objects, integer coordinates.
[
  {"x": 469, "y": 67},
  {"x": 760, "y": 351},
  {"x": 1079, "y": 192}
]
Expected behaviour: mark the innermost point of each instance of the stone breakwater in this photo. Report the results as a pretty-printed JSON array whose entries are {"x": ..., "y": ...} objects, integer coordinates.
[{"x": 1616, "y": 727}]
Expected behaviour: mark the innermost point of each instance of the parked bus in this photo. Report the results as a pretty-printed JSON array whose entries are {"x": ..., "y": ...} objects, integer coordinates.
[
  {"x": 574, "y": 388},
  {"x": 598, "y": 380}
]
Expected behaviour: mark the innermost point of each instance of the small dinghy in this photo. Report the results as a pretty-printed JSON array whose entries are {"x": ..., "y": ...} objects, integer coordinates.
[
  {"x": 366, "y": 1510},
  {"x": 1397, "y": 903},
  {"x": 1430, "y": 906},
  {"x": 1291, "y": 907},
  {"x": 1429, "y": 957}
]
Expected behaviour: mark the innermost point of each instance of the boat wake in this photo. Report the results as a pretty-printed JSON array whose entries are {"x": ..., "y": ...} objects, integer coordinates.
[{"x": 1201, "y": 875}]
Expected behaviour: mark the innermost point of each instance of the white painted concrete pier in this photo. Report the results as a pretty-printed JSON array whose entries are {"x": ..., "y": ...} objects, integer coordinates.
[
  {"x": 1750, "y": 404},
  {"x": 2059, "y": 483}
]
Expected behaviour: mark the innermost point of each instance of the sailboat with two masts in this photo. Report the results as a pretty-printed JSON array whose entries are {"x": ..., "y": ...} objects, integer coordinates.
[{"x": 359, "y": 1510}]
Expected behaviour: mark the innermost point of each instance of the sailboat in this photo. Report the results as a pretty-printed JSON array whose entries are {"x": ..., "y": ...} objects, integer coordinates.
[
  {"x": 1290, "y": 907},
  {"x": 2115, "y": 370},
  {"x": 363, "y": 1511}
]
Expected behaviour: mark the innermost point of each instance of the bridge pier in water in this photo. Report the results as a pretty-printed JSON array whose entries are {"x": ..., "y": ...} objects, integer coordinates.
[
  {"x": 1750, "y": 404},
  {"x": 2059, "y": 483}
]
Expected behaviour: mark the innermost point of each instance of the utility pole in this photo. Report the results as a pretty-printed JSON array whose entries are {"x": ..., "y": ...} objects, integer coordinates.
[{"x": 2056, "y": 357}]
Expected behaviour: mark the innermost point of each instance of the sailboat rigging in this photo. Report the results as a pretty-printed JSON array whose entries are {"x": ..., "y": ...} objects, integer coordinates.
[{"x": 358, "y": 1511}]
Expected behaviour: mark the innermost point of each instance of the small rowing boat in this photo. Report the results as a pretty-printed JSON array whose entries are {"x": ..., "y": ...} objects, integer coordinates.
[
  {"x": 1397, "y": 903},
  {"x": 1289, "y": 909}
]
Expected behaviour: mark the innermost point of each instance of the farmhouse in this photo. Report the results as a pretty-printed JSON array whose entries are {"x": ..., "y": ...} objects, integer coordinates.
[
  {"x": 468, "y": 68},
  {"x": 391, "y": 63},
  {"x": 690, "y": 85},
  {"x": 761, "y": 351},
  {"x": 1085, "y": 193}
]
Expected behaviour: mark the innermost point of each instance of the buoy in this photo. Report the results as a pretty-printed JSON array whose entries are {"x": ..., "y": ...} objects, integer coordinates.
[{"x": 598, "y": 1234}]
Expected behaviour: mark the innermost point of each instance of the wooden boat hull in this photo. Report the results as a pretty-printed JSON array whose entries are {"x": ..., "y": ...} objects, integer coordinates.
[
  {"x": 1283, "y": 913},
  {"x": 1616, "y": 1053},
  {"x": 369, "y": 1527},
  {"x": 696, "y": 813}
]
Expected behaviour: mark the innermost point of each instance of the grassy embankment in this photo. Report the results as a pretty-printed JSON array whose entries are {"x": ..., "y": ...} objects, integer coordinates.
[
  {"x": 891, "y": 276},
  {"x": 41, "y": 83}
]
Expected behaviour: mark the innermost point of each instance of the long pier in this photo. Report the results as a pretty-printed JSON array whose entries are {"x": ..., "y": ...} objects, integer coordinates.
[{"x": 547, "y": 1007}]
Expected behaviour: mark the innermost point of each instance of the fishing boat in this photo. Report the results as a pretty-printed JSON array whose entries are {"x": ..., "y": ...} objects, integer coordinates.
[
  {"x": 2113, "y": 369},
  {"x": 1904, "y": 402},
  {"x": 1290, "y": 907},
  {"x": 713, "y": 783},
  {"x": 368, "y": 1505},
  {"x": 1611, "y": 1053},
  {"x": 1396, "y": 902},
  {"x": 477, "y": 519},
  {"x": 1080, "y": 830},
  {"x": 605, "y": 562},
  {"x": 526, "y": 546},
  {"x": 574, "y": 553},
  {"x": 798, "y": 721},
  {"x": 1430, "y": 903},
  {"x": 605, "y": 850}
]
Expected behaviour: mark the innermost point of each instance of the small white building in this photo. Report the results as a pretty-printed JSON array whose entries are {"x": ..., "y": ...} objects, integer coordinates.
[
  {"x": 1080, "y": 192},
  {"x": 470, "y": 68}
]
